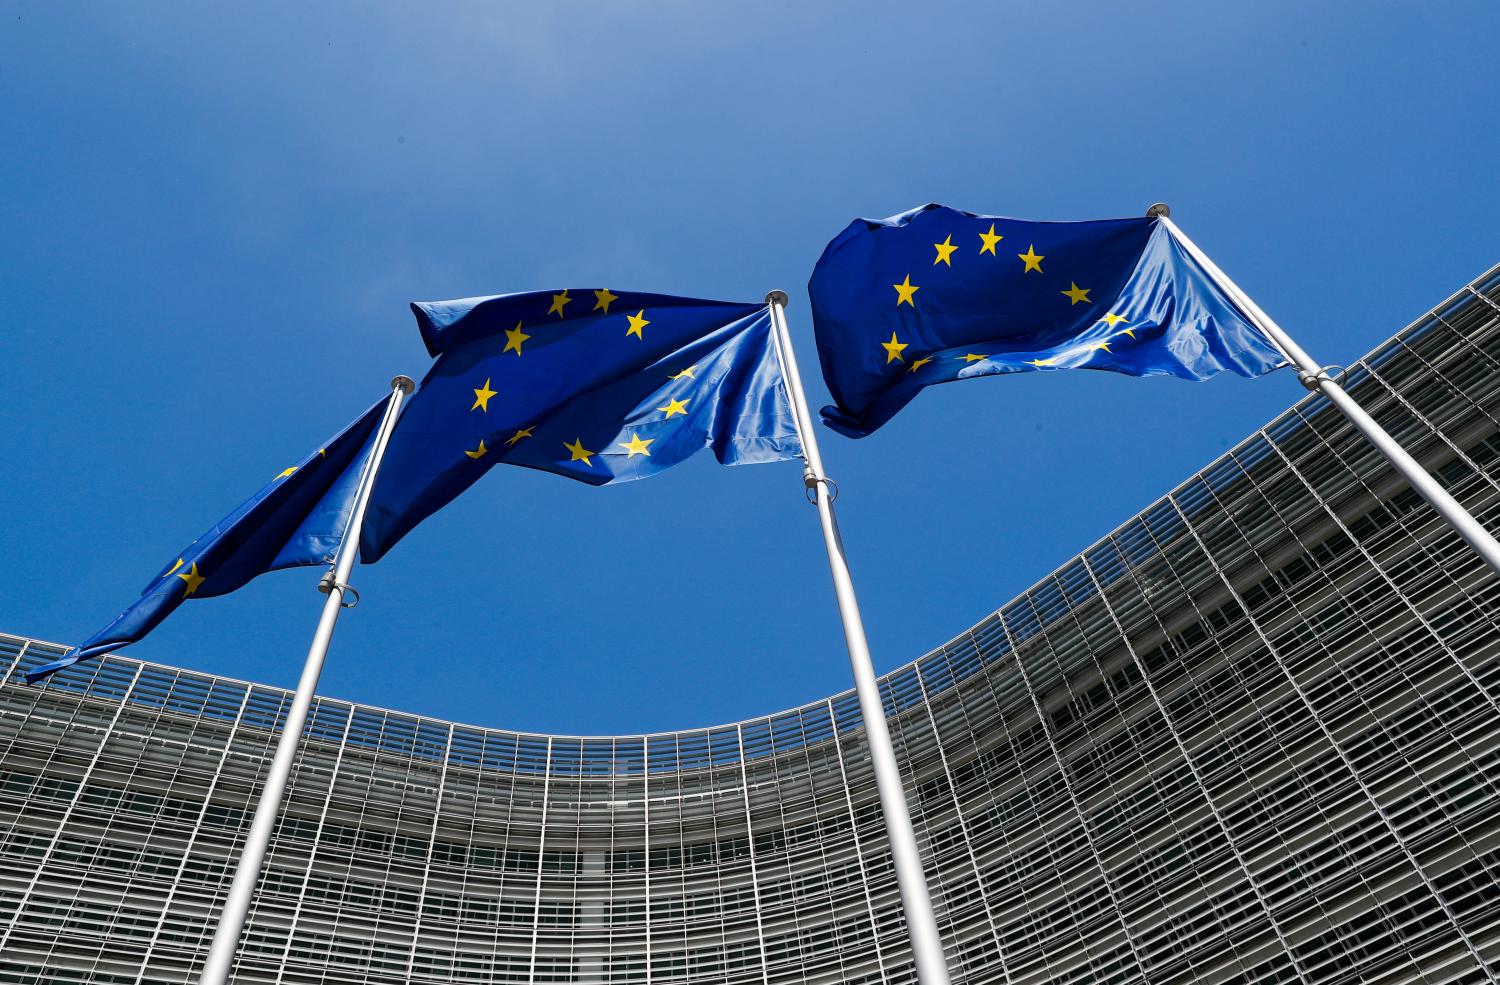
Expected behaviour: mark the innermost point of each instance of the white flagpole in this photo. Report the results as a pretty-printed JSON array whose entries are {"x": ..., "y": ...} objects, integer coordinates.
[
  {"x": 921, "y": 926},
  {"x": 1316, "y": 377},
  {"x": 336, "y": 583}
]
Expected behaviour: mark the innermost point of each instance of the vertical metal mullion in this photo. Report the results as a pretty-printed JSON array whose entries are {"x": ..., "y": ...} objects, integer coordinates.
[
  {"x": 1187, "y": 758},
  {"x": 1482, "y": 297},
  {"x": 1125, "y": 718},
  {"x": 1013, "y": 746},
  {"x": 1415, "y": 544},
  {"x": 62, "y": 824},
  {"x": 827, "y": 847},
  {"x": 1437, "y": 432},
  {"x": 5, "y": 682},
  {"x": 187, "y": 848},
  {"x": 646, "y": 845},
  {"x": 312, "y": 851},
  {"x": 1331, "y": 739},
  {"x": 437, "y": 813},
  {"x": 1465, "y": 337},
  {"x": 1365, "y": 626},
  {"x": 20, "y": 655},
  {"x": 859, "y": 855},
  {"x": 541, "y": 852},
  {"x": 760, "y": 930},
  {"x": 1273, "y": 736},
  {"x": 1062, "y": 771},
  {"x": 963, "y": 827},
  {"x": 1432, "y": 367},
  {"x": 1464, "y": 340},
  {"x": 1380, "y": 571}
]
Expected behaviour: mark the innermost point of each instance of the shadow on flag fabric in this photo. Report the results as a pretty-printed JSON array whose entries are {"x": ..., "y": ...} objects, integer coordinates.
[
  {"x": 298, "y": 518},
  {"x": 589, "y": 384},
  {"x": 936, "y": 295}
]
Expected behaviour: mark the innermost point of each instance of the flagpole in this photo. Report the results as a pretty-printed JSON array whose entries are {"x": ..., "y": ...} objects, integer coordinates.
[
  {"x": 1317, "y": 378},
  {"x": 335, "y": 584},
  {"x": 921, "y": 925}
]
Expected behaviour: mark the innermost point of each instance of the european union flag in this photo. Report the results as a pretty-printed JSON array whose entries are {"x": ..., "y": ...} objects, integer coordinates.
[
  {"x": 298, "y": 518},
  {"x": 589, "y": 384},
  {"x": 935, "y": 295}
]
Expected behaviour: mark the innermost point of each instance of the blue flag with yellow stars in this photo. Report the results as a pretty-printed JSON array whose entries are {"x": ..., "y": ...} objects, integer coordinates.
[
  {"x": 593, "y": 385},
  {"x": 297, "y": 518},
  {"x": 936, "y": 295}
]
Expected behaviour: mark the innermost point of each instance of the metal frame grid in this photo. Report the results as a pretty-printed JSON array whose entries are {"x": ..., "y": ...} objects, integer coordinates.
[{"x": 1248, "y": 736}]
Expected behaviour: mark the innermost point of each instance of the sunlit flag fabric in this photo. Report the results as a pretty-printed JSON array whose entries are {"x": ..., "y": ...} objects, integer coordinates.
[
  {"x": 298, "y": 518},
  {"x": 935, "y": 295},
  {"x": 593, "y": 385}
]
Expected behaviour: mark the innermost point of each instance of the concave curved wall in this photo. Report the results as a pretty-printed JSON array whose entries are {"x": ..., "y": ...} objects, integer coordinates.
[{"x": 1249, "y": 736}]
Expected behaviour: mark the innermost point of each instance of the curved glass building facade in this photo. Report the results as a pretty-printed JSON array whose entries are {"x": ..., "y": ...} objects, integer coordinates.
[{"x": 1253, "y": 735}]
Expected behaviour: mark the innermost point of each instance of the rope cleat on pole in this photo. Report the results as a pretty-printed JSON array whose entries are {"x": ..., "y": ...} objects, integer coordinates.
[
  {"x": 1313, "y": 380},
  {"x": 329, "y": 582}
]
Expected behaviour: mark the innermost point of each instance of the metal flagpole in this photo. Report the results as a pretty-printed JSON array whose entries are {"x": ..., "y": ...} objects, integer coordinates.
[
  {"x": 921, "y": 926},
  {"x": 1316, "y": 377},
  {"x": 335, "y": 584}
]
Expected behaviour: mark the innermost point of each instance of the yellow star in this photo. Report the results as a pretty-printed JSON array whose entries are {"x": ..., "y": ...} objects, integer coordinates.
[
  {"x": 174, "y": 568},
  {"x": 1032, "y": 261},
  {"x": 905, "y": 291},
  {"x": 945, "y": 250},
  {"x": 479, "y": 452},
  {"x": 674, "y": 407},
  {"x": 1113, "y": 319},
  {"x": 990, "y": 239},
  {"x": 192, "y": 578},
  {"x": 521, "y": 433},
  {"x": 1100, "y": 345},
  {"x": 1077, "y": 293},
  {"x": 513, "y": 339},
  {"x": 580, "y": 453},
  {"x": 603, "y": 299},
  {"x": 637, "y": 323},
  {"x": 1041, "y": 362},
  {"x": 287, "y": 471},
  {"x": 323, "y": 452},
  {"x": 635, "y": 446},
  {"x": 482, "y": 397},
  {"x": 893, "y": 350},
  {"x": 558, "y": 301},
  {"x": 918, "y": 364},
  {"x": 974, "y": 357},
  {"x": 685, "y": 374},
  {"x": 1127, "y": 331}
]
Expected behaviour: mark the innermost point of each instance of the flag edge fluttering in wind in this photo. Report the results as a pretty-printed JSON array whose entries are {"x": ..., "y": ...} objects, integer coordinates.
[
  {"x": 1232, "y": 344},
  {"x": 441, "y": 336},
  {"x": 629, "y": 341},
  {"x": 327, "y": 481}
]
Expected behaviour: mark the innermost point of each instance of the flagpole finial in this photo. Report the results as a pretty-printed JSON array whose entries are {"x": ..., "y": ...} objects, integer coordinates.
[
  {"x": 778, "y": 297},
  {"x": 1159, "y": 210},
  {"x": 404, "y": 384}
]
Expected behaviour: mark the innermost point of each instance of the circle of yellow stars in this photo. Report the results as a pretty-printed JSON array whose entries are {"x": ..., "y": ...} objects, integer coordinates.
[
  {"x": 515, "y": 340},
  {"x": 1031, "y": 262}
]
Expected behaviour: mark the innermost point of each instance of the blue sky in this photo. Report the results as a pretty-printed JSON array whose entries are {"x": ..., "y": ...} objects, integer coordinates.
[{"x": 213, "y": 222}]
